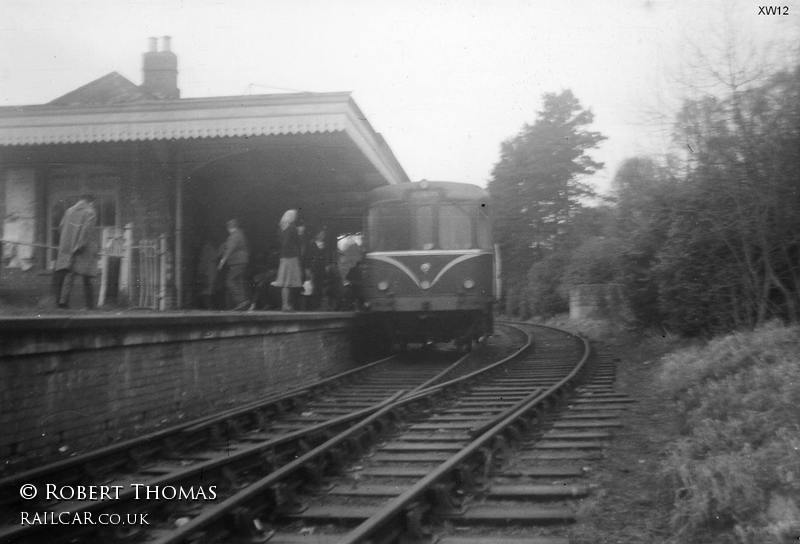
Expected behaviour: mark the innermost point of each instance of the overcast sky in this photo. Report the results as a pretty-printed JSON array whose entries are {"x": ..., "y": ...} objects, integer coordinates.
[{"x": 445, "y": 81}]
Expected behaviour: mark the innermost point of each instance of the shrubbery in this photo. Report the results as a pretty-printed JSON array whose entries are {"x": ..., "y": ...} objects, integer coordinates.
[{"x": 736, "y": 470}]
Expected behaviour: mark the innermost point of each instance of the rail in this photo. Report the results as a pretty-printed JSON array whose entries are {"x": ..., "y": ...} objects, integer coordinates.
[
  {"x": 105, "y": 455},
  {"x": 397, "y": 506},
  {"x": 274, "y": 485},
  {"x": 167, "y": 444}
]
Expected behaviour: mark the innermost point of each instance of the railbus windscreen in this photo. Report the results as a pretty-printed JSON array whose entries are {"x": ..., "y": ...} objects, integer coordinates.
[
  {"x": 396, "y": 226},
  {"x": 455, "y": 227}
]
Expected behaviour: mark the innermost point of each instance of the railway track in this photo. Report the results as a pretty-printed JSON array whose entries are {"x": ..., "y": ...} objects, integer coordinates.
[
  {"x": 229, "y": 448},
  {"x": 301, "y": 503},
  {"x": 432, "y": 478},
  {"x": 375, "y": 456},
  {"x": 261, "y": 434},
  {"x": 535, "y": 495}
]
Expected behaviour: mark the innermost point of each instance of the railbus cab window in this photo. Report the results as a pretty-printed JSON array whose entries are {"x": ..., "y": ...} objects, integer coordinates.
[
  {"x": 455, "y": 227},
  {"x": 396, "y": 226},
  {"x": 388, "y": 227},
  {"x": 423, "y": 222}
]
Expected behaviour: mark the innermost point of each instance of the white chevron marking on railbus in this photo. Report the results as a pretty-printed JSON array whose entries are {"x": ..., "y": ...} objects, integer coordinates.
[
  {"x": 451, "y": 264},
  {"x": 408, "y": 272},
  {"x": 397, "y": 264}
]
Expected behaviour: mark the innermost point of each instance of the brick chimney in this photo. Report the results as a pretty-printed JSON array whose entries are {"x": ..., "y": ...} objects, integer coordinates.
[{"x": 160, "y": 70}]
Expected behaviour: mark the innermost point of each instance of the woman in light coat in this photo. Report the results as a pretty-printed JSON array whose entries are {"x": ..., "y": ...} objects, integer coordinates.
[{"x": 289, "y": 273}]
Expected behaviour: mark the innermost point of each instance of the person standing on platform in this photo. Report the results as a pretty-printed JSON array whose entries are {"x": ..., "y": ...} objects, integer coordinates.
[
  {"x": 77, "y": 252},
  {"x": 235, "y": 258},
  {"x": 289, "y": 273},
  {"x": 318, "y": 263}
]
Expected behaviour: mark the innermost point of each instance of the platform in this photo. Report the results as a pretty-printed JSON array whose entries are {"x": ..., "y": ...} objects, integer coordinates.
[{"x": 81, "y": 380}]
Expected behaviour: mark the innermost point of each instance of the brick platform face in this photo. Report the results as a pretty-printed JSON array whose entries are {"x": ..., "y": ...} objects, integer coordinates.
[{"x": 67, "y": 396}]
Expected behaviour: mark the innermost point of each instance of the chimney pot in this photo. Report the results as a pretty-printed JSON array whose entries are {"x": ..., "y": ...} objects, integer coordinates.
[{"x": 160, "y": 70}]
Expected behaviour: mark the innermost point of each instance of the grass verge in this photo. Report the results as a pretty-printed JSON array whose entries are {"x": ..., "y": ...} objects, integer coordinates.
[{"x": 735, "y": 469}]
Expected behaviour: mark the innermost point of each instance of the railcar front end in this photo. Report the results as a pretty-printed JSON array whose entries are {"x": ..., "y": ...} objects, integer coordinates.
[{"x": 429, "y": 263}]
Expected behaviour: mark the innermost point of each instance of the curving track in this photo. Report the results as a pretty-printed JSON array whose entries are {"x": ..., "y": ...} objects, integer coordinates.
[
  {"x": 535, "y": 494},
  {"x": 398, "y": 450}
]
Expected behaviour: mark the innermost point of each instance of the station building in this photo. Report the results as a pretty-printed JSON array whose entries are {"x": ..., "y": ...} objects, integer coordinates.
[{"x": 178, "y": 168}]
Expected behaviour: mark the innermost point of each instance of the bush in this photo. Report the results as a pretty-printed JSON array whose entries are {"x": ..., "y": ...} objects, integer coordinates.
[
  {"x": 546, "y": 296},
  {"x": 736, "y": 471}
]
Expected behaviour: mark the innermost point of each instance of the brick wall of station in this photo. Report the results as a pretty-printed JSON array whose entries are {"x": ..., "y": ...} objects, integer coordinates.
[{"x": 70, "y": 384}]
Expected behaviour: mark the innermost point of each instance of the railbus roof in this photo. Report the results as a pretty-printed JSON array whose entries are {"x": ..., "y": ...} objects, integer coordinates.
[{"x": 448, "y": 190}]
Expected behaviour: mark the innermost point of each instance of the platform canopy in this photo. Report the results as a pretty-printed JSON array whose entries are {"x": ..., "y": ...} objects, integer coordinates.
[
  {"x": 248, "y": 156},
  {"x": 334, "y": 114}
]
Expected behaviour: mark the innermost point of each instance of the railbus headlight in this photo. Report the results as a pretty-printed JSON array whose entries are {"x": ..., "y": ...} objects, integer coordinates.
[
  {"x": 383, "y": 285},
  {"x": 469, "y": 283}
]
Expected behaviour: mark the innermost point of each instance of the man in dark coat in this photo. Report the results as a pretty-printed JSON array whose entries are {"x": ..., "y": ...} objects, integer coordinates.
[
  {"x": 319, "y": 263},
  {"x": 235, "y": 257},
  {"x": 77, "y": 251}
]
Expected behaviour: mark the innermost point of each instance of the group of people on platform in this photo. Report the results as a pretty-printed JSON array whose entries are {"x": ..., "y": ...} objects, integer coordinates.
[{"x": 307, "y": 277}]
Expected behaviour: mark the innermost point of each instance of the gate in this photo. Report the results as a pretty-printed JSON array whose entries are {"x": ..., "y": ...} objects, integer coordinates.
[
  {"x": 135, "y": 274},
  {"x": 149, "y": 284}
]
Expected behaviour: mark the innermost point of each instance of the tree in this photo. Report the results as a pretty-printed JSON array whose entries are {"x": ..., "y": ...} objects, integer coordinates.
[
  {"x": 536, "y": 187},
  {"x": 646, "y": 195},
  {"x": 545, "y": 291},
  {"x": 718, "y": 248},
  {"x": 745, "y": 174}
]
